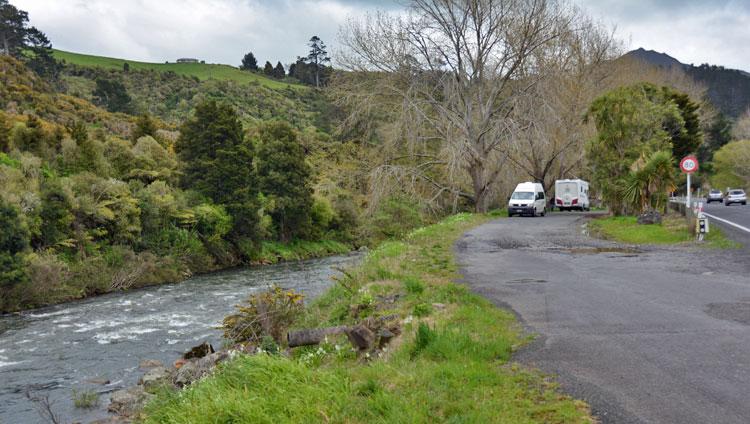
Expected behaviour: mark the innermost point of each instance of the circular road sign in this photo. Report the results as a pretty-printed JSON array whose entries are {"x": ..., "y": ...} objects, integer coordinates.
[{"x": 689, "y": 164}]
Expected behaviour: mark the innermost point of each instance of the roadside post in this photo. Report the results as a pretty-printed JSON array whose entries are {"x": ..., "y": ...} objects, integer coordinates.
[{"x": 688, "y": 165}]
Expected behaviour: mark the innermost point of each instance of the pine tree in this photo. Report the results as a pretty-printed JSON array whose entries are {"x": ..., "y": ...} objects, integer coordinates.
[
  {"x": 284, "y": 176},
  {"x": 318, "y": 56},
  {"x": 268, "y": 69},
  {"x": 219, "y": 163},
  {"x": 249, "y": 62},
  {"x": 14, "y": 240},
  {"x": 279, "y": 72}
]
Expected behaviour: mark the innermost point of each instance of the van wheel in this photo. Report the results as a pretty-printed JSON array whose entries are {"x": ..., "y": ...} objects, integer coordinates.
[{"x": 544, "y": 211}]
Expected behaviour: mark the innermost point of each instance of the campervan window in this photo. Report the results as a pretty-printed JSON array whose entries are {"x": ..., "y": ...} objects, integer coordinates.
[
  {"x": 567, "y": 188},
  {"x": 522, "y": 195}
]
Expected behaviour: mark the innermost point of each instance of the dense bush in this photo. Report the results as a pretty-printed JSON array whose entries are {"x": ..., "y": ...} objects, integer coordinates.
[
  {"x": 393, "y": 218},
  {"x": 14, "y": 240},
  {"x": 264, "y": 314}
]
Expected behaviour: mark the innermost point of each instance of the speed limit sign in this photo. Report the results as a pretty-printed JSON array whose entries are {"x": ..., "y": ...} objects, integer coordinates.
[{"x": 689, "y": 164}]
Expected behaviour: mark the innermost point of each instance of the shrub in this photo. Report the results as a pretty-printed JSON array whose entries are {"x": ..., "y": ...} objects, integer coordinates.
[
  {"x": 86, "y": 399},
  {"x": 413, "y": 285},
  {"x": 422, "y": 310},
  {"x": 14, "y": 240},
  {"x": 264, "y": 314},
  {"x": 394, "y": 218}
]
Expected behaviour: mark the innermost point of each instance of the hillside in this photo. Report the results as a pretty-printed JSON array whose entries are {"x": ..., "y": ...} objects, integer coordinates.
[
  {"x": 728, "y": 89},
  {"x": 203, "y": 71},
  {"x": 171, "y": 91},
  {"x": 98, "y": 200}
]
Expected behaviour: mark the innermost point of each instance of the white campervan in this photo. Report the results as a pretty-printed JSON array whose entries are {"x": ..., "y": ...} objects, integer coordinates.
[
  {"x": 527, "y": 199},
  {"x": 572, "y": 194}
]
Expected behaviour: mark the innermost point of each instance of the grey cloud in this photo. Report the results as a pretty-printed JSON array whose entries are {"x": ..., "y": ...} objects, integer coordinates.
[{"x": 221, "y": 31}]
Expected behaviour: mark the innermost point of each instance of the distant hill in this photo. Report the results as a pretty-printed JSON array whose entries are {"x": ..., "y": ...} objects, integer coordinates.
[
  {"x": 202, "y": 71},
  {"x": 655, "y": 58},
  {"x": 728, "y": 89}
]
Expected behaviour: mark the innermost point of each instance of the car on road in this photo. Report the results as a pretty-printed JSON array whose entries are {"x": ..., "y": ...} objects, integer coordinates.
[
  {"x": 528, "y": 199},
  {"x": 735, "y": 196},
  {"x": 715, "y": 196}
]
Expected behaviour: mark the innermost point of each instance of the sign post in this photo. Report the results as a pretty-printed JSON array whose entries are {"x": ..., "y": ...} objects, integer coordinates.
[{"x": 689, "y": 164}]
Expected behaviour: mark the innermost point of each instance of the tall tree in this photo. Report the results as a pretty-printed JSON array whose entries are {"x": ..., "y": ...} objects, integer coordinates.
[
  {"x": 14, "y": 240},
  {"x": 218, "y": 163},
  {"x": 279, "y": 72},
  {"x": 22, "y": 41},
  {"x": 284, "y": 177},
  {"x": 447, "y": 78},
  {"x": 15, "y": 33},
  {"x": 732, "y": 165},
  {"x": 318, "y": 56},
  {"x": 688, "y": 140},
  {"x": 631, "y": 122},
  {"x": 249, "y": 62},
  {"x": 268, "y": 69}
]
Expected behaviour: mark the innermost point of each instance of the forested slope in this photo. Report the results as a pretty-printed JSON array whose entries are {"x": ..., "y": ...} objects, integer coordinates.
[{"x": 97, "y": 200}]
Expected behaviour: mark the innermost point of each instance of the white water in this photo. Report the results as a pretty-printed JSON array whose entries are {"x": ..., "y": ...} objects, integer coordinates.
[{"x": 54, "y": 351}]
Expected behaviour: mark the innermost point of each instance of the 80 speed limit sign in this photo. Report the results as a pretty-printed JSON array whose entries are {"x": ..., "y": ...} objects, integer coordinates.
[{"x": 689, "y": 164}]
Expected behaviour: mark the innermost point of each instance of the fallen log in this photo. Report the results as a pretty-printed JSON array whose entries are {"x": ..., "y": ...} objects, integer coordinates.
[{"x": 312, "y": 336}]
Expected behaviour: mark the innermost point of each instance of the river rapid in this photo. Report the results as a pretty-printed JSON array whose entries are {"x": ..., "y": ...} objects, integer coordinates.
[{"x": 81, "y": 345}]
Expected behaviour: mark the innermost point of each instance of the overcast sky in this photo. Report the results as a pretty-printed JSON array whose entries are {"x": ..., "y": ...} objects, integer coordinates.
[{"x": 221, "y": 31}]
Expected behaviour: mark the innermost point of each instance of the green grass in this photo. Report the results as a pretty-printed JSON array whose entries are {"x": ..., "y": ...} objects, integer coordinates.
[
  {"x": 673, "y": 230},
  {"x": 202, "y": 71},
  {"x": 457, "y": 370},
  {"x": 272, "y": 251}
]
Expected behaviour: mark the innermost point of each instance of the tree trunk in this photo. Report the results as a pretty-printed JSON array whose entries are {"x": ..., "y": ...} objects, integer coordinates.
[{"x": 480, "y": 188}]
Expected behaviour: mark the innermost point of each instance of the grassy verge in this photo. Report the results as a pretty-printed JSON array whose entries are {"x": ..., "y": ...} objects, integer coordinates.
[
  {"x": 202, "y": 71},
  {"x": 451, "y": 363},
  {"x": 673, "y": 230},
  {"x": 273, "y": 252}
]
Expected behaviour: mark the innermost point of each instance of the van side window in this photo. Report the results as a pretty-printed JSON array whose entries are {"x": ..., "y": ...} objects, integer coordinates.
[{"x": 540, "y": 195}]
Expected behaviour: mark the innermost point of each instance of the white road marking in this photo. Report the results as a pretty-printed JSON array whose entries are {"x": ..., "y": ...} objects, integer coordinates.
[{"x": 745, "y": 229}]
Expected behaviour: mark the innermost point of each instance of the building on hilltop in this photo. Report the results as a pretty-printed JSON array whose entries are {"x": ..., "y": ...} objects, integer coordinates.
[{"x": 187, "y": 60}]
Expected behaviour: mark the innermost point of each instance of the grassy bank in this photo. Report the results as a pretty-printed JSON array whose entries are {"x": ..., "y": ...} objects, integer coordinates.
[
  {"x": 673, "y": 230},
  {"x": 450, "y": 364},
  {"x": 202, "y": 71}
]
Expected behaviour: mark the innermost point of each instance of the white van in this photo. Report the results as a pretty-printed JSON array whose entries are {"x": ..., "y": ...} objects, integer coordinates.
[
  {"x": 527, "y": 199},
  {"x": 572, "y": 194}
]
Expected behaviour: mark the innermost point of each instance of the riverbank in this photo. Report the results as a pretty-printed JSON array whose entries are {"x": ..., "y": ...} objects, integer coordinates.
[
  {"x": 450, "y": 363},
  {"x": 60, "y": 282},
  {"x": 96, "y": 345}
]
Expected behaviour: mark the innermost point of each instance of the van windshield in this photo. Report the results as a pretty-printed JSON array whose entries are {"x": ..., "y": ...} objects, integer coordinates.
[{"x": 522, "y": 195}]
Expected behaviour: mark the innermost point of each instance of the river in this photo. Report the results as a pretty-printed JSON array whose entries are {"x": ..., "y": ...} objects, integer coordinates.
[{"x": 53, "y": 351}]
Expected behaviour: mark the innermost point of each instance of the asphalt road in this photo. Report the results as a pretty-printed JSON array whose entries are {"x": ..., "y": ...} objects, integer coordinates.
[
  {"x": 656, "y": 336},
  {"x": 737, "y": 214}
]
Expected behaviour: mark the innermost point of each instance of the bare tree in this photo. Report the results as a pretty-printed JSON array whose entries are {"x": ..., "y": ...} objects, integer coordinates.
[
  {"x": 447, "y": 80},
  {"x": 576, "y": 66}
]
